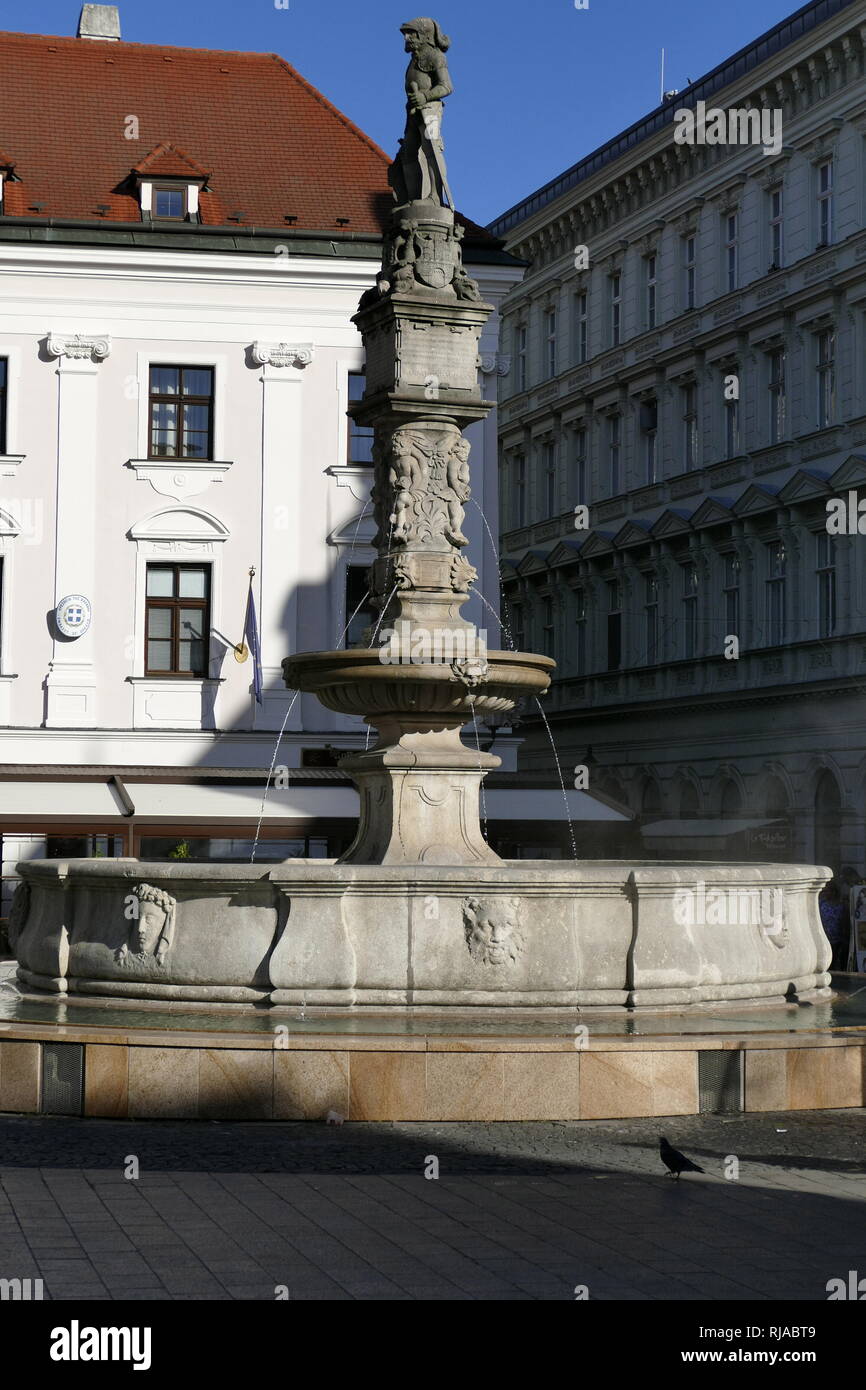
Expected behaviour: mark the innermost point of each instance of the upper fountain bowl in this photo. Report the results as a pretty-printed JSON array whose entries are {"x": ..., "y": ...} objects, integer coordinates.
[{"x": 357, "y": 681}]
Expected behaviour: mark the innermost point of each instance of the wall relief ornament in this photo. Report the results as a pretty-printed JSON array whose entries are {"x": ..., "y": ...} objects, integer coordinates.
[
  {"x": 79, "y": 346},
  {"x": 430, "y": 255},
  {"x": 427, "y": 483},
  {"x": 151, "y": 930},
  {"x": 462, "y": 574},
  {"x": 470, "y": 671},
  {"x": 494, "y": 933}
]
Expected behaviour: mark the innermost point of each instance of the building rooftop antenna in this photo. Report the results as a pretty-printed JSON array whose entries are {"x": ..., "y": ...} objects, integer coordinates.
[{"x": 674, "y": 91}]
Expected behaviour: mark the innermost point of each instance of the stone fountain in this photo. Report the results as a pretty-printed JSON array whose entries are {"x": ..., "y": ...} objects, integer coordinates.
[{"x": 420, "y": 911}]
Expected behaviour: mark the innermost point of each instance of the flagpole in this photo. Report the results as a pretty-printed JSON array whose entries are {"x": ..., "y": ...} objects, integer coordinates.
[{"x": 240, "y": 648}]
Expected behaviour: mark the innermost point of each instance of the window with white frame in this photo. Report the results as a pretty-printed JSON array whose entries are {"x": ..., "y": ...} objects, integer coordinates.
[
  {"x": 825, "y": 576},
  {"x": 359, "y": 437},
  {"x": 730, "y": 225},
  {"x": 777, "y": 390},
  {"x": 689, "y": 414},
  {"x": 651, "y": 617},
  {"x": 825, "y": 377},
  {"x": 649, "y": 428},
  {"x": 615, "y": 290},
  {"x": 548, "y": 628},
  {"x": 650, "y": 289},
  {"x": 360, "y": 614},
  {"x": 614, "y": 432},
  {"x": 520, "y": 356},
  {"x": 824, "y": 177},
  {"x": 614, "y": 624},
  {"x": 775, "y": 593},
  {"x": 518, "y": 626},
  {"x": 580, "y": 631},
  {"x": 689, "y": 249},
  {"x": 732, "y": 593},
  {"x": 181, "y": 405},
  {"x": 776, "y": 203},
  {"x": 549, "y": 480},
  {"x": 689, "y": 572},
  {"x": 170, "y": 202},
  {"x": 578, "y": 479},
  {"x": 550, "y": 341},
  {"x": 731, "y": 416},
  {"x": 178, "y": 620},
  {"x": 581, "y": 326},
  {"x": 518, "y": 490}
]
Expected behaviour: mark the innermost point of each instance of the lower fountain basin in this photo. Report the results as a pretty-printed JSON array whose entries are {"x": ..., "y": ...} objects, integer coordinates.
[{"x": 530, "y": 935}]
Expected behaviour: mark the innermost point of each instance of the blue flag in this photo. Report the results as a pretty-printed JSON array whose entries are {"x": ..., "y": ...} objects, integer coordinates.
[{"x": 251, "y": 637}]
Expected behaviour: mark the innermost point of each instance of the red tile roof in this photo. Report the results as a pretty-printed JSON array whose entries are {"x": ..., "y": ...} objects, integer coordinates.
[
  {"x": 167, "y": 161},
  {"x": 272, "y": 146}
]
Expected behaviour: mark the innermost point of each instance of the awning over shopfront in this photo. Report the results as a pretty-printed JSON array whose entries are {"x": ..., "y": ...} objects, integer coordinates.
[
  {"x": 115, "y": 800},
  {"x": 764, "y": 838},
  {"x": 701, "y": 829}
]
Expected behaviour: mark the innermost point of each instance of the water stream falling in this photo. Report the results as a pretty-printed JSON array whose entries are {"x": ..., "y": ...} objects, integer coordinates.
[
  {"x": 385, "y": 606},
  {"x": 271, "y": 773},
  {"x": 471, "y": 699},
  {"x": 547, "y": 727},
  {"x": 561, "y": 782}
]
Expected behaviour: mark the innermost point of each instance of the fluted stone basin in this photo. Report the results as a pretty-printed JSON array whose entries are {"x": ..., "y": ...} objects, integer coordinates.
[{"x": 356, "y": 681}]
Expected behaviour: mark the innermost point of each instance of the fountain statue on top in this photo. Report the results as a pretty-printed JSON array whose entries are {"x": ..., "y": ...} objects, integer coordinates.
[
  {"x": 418, "y": 172},
  {"x": 420, "y": 910},
  {"x": 421, "y": 324}
]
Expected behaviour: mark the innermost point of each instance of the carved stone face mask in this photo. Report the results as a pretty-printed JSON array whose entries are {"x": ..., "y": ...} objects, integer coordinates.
[
  {"x": 151, "y": 920},
  {"x": 493, "y": 937}
]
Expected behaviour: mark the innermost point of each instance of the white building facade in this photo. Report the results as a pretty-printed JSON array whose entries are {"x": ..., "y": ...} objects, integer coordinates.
[{"x": 173, "y": 395}]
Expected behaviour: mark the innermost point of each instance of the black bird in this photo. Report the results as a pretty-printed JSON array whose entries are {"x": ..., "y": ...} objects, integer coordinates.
[{"x": 674, "y": 1161}]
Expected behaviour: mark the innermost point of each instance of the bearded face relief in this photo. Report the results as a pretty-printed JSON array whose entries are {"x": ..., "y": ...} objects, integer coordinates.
[
  {"x": 494, "y": 934},
  {"x": 151, "y": 928}
]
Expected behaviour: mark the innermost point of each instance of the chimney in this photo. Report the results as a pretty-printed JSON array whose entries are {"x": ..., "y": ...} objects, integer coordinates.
[{"x": 99, "y": 22}]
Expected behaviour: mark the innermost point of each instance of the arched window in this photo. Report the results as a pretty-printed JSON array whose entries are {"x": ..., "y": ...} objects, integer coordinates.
[
  {"x": 651, "y": 800},
  {"x": 689, "y": 801},
  {"x": 776, "y": 802},
  {"x": 828, "y": 820},
  {"x": 610, "y": 785},
  {"x": 732, "y": 801}
]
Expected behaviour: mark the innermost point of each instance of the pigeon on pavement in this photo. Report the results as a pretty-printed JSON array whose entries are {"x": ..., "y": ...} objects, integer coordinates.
[{"x": 674, "y": 1161}]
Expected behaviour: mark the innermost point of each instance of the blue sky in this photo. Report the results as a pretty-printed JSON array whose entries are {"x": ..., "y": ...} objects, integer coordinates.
[{"x": 538, "y": 84}]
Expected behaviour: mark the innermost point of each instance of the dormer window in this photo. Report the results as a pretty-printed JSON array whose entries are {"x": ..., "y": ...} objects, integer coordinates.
[
  {"x": 170, "y": 203},
  {"x": 169, "y": 183}
]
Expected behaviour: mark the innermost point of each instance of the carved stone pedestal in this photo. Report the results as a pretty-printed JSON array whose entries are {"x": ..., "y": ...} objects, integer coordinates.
[{"x": 419, "y": 798}]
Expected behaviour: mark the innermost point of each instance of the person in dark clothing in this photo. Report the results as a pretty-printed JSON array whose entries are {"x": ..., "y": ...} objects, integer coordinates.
[{"x": 835, "y": 919}]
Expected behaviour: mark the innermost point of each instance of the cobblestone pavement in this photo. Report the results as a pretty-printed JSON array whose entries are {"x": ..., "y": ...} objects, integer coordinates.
[{"x": 528, "y": 1211}]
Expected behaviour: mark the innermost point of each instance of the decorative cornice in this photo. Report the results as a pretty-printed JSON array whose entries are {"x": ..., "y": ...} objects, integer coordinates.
[
  {"x": 282, "y": 354},
  {"x": 79, "y": 345},
  {"x": 178, "y": 478}
]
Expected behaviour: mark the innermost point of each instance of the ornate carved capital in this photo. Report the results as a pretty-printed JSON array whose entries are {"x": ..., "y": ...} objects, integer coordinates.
[
  {"x": 490, "y": 362},
  {"x": 78, "y": 345},
  {"x": 282, "y": 354}
]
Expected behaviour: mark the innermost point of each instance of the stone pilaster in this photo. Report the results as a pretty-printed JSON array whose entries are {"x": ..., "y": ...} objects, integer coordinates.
[
  {"x": 283, "y": 366},
  {"x": 71, "y": 680}
]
